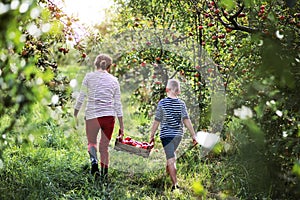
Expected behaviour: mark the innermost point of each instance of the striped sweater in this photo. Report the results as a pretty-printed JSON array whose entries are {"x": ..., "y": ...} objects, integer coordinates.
[
  {"x": 170, "y": 112},
  {"x": 103, "y": 95}
]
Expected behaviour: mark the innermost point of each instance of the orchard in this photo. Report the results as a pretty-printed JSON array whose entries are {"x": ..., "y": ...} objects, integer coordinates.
[{"x": 239, "y": 67}]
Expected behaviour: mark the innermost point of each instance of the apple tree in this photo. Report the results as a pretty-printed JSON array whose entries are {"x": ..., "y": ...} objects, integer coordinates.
[
  {"x": 255, "y": 48},
  {"x": 34, "y": 40}
]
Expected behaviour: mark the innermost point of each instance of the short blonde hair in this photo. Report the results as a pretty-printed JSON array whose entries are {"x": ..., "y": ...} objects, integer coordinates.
[
  {"x": 174, "y": 85},
  {"x": 103, "y": 61}
]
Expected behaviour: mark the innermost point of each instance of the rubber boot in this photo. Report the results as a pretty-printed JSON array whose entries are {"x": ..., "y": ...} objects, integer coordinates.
[
  {"x": 94, "y": 161},
  {"x": 104, "y": 173}
]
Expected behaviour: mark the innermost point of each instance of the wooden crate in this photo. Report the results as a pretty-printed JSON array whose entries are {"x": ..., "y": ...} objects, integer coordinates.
[{"x": 119, "y": 146}]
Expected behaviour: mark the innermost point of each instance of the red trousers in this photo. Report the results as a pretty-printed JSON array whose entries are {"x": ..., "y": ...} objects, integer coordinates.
[{"x": 106, "y": 125}]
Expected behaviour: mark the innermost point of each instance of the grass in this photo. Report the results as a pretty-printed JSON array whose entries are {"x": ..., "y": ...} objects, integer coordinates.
[{"x": 55, "y": 165}]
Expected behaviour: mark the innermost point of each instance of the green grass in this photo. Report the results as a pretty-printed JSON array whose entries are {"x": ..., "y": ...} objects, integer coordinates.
[{"x": 55, "y": 165}]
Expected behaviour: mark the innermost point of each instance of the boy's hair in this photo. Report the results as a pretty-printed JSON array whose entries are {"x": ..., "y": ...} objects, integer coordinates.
[
  {"x": 173, "y": 85},
  {"x": 103, "y": 61}
]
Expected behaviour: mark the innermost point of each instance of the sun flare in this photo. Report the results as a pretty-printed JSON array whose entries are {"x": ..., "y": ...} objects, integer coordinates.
[{"x": 89, "y": 12}]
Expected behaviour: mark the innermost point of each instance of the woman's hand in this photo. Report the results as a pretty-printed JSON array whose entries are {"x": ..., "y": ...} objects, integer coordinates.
[
  {"x": 151, "y": 141},
  {"x": 76, "y": 119},
  {"x": 121, "y": 133}
]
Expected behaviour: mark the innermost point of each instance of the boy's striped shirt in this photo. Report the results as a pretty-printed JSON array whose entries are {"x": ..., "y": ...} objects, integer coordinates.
[{"x": 170, "y": 113}]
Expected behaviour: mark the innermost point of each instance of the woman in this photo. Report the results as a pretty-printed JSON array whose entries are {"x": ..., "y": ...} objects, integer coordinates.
[
  {"x": 102, "y": 91},
  {"x": 171, "y": 114}
]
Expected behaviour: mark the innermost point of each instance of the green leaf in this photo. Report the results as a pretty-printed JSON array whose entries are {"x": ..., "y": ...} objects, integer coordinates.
[
  {"x": 199, "y": 189},
  {"x": 228, "y": 4},
  {"x": 296, "y": 168},
  {"x": 255, "y": 131},
  {"x": 48, "y": 75},
  {"x": 218, "y": 148},
  {"x": 56, "y": 28}
]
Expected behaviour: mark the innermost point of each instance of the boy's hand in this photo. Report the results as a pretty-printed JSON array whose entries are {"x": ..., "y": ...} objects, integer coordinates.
[{"x": 194, "y": 140}]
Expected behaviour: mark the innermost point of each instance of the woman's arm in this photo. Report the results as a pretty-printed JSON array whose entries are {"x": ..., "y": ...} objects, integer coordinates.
[
  {"x": 117, "y": 100},
  {"x": 81, "y": 97},
  {"x": 121, "y": 124},
  {"x": 118, "y": 108}
]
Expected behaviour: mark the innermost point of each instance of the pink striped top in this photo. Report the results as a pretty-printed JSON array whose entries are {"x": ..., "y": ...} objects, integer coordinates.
[{"x": 103, "y": 95}]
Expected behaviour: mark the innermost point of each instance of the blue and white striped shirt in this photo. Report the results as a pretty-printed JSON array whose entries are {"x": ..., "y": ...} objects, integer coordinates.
[{"x": 170, "y": 112}]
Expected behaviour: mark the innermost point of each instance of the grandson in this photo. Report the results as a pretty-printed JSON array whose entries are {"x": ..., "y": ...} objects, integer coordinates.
[{"x": 171, "y": 114}]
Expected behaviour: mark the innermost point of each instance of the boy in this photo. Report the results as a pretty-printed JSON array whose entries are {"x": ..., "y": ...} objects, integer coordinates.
[{"x": 171, "y": 114}]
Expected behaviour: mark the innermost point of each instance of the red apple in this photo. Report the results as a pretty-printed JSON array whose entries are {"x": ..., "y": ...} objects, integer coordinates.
[
  {"x": 197, "y": 67},
  {"x": 24, "y": 53},
  {"x": 200, "y": 27},
  {"x": 281, "y": 17},
  {"x": 127, "y": 138},
  {"x": 221, "y": 36},
  {"x": 57, "y": 15},
  {"x": 143, "y": 64},
  {"x": 206, "y": 15},
  {"x": 228, "y": 30},
  {"x": 242, "y": 15},
  {"x": 61, "y": 49},
  {"x": 209, "y": 70}
]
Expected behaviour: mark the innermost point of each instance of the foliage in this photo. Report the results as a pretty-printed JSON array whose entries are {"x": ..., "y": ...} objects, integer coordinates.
[
  {"x": 248, "y": 49},
  {"x": 34, "y": 35},
  {"x": 255, "y": 47}
]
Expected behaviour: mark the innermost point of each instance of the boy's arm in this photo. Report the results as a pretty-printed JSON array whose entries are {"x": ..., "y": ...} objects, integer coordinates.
[
  {"x": 187, "y": 122},
  {"x": 153, "y": 130}
]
